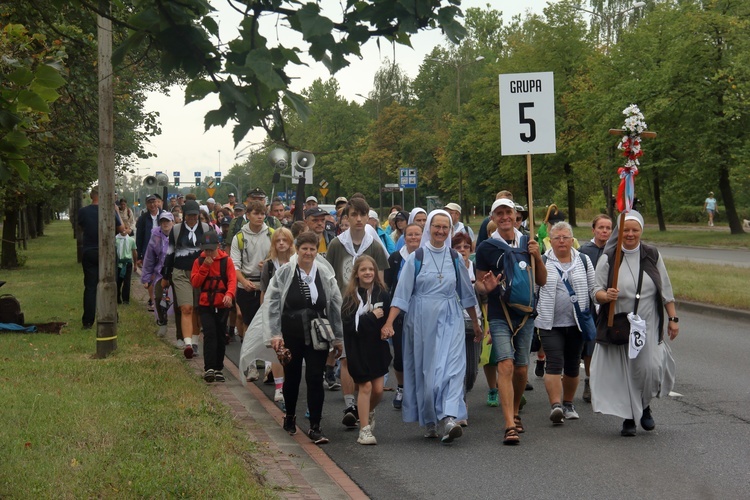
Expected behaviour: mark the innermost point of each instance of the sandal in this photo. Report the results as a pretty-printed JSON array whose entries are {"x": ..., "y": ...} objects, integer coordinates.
[
  {"x": 519, "y": 424},
  {"x": 511, "y": 436}
]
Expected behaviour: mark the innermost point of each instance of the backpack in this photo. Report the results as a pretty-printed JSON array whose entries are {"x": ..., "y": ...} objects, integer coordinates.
[
  {"x": 214, "y": 280},
  {"x": 178, "y": 228},
  {"x": 10, "y": 310},
  {"x": 517, "y": 286},
  {"x": 241, "y": 239},
  {"x": 419, "y": 257}
]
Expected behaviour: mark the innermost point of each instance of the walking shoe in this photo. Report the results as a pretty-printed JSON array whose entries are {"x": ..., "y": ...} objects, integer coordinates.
[
  {"x": 492, "y": 399},
  {"x": 350, "y": 417},
  {"x": 569, "y": 411},
  {"x": 331, "y": 381},
  {"x": 628, "y": 428},
  {"x": 398, "y": 398},
  {"x": 219, "y": 376},
  {"x": 539, "y": 370},
  {"x": 195, "y": 349},
  {"x": 162, "y": 331},
  {"x": 316, "y": 435},
  {"x": 188, "y": 352},
  {"x": 529, "y": 387},
  {"x": 365, "y": 436},
  {"x": 431, "y": 430},
  {"x": 647, "y": 420},
  {"x": 371, "y": 420},
  {"x": 150, "y": 305},
  {"x": 278, "y": 395},
  {"x": 586, "y": 391},
  {"x": 557, "y": 415},
  {"x": 451, "y": 430},
  {"x": 180, "y": 344},
  {"x": 209, "y": 376},
  {"x": 290, "y": 424},
  {"x": 463, "y": 422},
  {"x": 252, "y": 373}
]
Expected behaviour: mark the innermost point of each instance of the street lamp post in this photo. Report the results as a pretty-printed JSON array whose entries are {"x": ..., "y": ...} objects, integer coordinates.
[{"x": 458, "y": 68}]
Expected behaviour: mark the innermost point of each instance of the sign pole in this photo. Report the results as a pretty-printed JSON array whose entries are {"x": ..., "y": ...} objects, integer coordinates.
[{"x": 530, "y": 194}]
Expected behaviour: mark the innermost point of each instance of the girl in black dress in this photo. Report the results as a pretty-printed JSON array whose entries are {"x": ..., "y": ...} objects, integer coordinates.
[{"x": 365, "y": 307}]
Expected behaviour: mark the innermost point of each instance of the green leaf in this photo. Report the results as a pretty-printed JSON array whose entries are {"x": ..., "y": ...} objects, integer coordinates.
[
  {"x": 17, "y": 140},
  {"x": 130, "y": 43},
  {"x": 46, "y": 93},
  {"x": 216, "y": 117},
  {"x": 299, "y": 104},
  {"x": 20, "y": 167},
  {"x": 8, "y": 120},
  {"x": 210, "y": 24},
  {"x": 49, "y": 77},
  {"x": 260, "y": 63},
  {"x": 33, "y": 101},
  {"x": 20, "y": 76},
  {"x": 312, "y": 24},
  {"x": 240, "y": 131},
  {"x": 198, "y": 89}
]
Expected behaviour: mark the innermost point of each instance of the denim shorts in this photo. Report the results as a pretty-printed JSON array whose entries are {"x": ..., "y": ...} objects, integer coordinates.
[{"x": 505, "y": 346}]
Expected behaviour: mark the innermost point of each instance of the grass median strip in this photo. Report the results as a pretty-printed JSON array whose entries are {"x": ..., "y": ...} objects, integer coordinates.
[
  {"x": 719, "y": 285},
  {"x": 137, "y": 424}
]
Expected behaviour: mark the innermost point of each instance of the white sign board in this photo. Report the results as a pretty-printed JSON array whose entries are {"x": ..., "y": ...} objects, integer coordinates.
[{"x": 527, "y": 114}]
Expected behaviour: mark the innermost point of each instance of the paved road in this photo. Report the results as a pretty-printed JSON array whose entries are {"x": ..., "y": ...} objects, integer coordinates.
[
  {"x": 699, "y": 449},
  {"x": 707, "y": 255}
]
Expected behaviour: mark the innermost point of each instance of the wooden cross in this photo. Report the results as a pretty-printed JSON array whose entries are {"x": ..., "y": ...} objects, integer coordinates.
[{"x": 620, "y": 229}]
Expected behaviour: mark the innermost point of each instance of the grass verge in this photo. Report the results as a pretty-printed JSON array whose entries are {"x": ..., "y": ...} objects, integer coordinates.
[
  {"x": 137, "y": 424},
  {"x": 720, "y": 285}
]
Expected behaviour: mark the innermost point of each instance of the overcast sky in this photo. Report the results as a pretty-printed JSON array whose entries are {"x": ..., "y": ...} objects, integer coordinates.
[{"x": 183, "y": 145}]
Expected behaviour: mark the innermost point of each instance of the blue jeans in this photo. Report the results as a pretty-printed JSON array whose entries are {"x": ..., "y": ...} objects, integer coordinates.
[{"x": 506, "y": 346}]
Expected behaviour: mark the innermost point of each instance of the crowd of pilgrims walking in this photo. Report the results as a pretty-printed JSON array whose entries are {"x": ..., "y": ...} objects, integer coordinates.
[{"x": 351, "y": 298}]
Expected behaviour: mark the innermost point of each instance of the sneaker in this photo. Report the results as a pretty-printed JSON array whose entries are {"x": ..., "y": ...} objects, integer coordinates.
[
  {"x": 331, "y": 381},
  {"x": 365, "y": 436},
  {"x": 180, "y": 344},
  {"x": 316, "y": 435},
  {"x": 150, "y": 305},
  {"x": 451, "y": 430},
  {"x": 398, "y": 399},
  {"x": 162, "y": 331},
  {"x": 195, "y": 349},
  {"x": 252, "y": 373},
  {"x": 431, "y": 430},
  {"x": 350, "y": 417},
  {"x": 647, "y": 420},
  {"x": 219, "y": 376},
  {"x": 586, "y": 391},
  {"x": 278, "y": 396},
  {"x": 209, "y": 376},
  {"x": 371, "y": 420},
  {"x": 628, "y": 428},
  {"x": 556, "y": 415},
  {"x": 463, "y": 422},
  {"x": 569, "y": 411},
  {"x": 529, "y": 387},
  {"x": 492, "y": 398},
  {"x": 290, "y": 424},
  {"x": 539, "y": 370},
  {"x": 188, "y": 352}
]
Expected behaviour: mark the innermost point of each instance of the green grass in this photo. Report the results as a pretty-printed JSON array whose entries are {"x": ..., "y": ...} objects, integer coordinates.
[
  {"x": 721, "y": 285},
  {"x": 137, "y": 424}
]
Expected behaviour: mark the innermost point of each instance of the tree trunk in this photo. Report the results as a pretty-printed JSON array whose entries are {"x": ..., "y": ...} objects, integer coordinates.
[
  {"x": 23, "y": 228},
  {"x": 730, "y": 210},
  {"x": 30, "y": 212},
  {"x": 571, "y": 194},
  {"x": 9, "y": 258},
  {"x": 657, "y": 201}
]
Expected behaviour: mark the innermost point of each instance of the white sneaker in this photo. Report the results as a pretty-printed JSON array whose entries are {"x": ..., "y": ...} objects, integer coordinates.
[
  {"x": 252, "y": 373},
  {"x": 278, "y": 396},
  {"x": 451, "y": 430},
  {"x": 365, "y": 436},
  {"x": 431, "y": 430},
  {"x": 180, "y": 344},
  {"x": 569, "y": 412}
]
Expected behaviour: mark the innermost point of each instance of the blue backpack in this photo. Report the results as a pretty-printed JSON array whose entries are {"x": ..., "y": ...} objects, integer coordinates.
[{"x": 517, "y": 286}]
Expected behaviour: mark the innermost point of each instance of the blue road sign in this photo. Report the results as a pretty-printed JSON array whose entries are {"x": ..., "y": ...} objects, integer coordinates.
[{"x": 408, "y": 178}]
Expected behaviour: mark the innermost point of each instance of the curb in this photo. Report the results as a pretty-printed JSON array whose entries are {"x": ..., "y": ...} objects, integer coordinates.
[{"x": 715, "y": 311}]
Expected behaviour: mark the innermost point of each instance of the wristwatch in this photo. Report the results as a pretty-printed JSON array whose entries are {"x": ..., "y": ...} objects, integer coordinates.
[{"x": 674, "y": 319}]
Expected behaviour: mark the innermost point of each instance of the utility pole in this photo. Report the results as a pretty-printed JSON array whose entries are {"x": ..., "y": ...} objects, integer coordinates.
[{"x": 106, "y": 292}]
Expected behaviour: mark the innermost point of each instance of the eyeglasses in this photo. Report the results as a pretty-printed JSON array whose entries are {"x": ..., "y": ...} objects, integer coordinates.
[
  {"x": 441, "y": 228},
  {"x": 561, "y": 238},
  {"x": 519, "y": 219}
]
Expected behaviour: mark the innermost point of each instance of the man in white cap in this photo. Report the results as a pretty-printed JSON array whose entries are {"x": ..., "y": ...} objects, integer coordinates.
[
  {"x": 454, "y": 209},
  {"x": 311, "y": 202},
  {"x": 511, "y": 332},
  {"x": 232, "y": 200}
]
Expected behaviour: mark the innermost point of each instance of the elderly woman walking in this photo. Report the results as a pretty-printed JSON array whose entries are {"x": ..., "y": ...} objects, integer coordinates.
[
  {"x": 623, "y": 384},
  {"x": 433, "y": 289}
]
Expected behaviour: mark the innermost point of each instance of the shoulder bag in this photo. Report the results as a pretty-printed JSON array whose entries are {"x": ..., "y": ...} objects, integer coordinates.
[
  {"x": 321, "y": 333},
  {"x": 619, "y": 332}
]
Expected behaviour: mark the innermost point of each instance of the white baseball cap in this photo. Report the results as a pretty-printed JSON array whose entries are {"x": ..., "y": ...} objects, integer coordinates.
[
  {"x": 502, "y": 202},
  {"x": 453, "y": 206},
  {"x": 311, "y": 198},
  {"x": 373, "y": 214}
]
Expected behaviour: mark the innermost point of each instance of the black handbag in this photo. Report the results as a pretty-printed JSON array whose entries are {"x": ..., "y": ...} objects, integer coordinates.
[{"x": 619, "y": 332}]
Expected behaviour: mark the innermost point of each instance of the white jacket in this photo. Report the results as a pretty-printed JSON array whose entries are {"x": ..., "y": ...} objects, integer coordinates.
[
  {"x": 273, "y": 303},
  {"x": 581, "y": 279}
]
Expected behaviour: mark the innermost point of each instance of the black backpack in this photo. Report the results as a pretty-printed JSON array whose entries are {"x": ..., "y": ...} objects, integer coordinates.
[{"x": 10, "y": 310}]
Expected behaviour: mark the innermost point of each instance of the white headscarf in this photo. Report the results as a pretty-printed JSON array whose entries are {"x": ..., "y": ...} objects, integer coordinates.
[
  {"x": 414, "y": 212},
  {"x": 428, "y": 227}
]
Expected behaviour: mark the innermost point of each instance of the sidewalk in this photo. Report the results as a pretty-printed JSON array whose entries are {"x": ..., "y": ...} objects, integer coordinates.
[{"x": 292, "y": 465}]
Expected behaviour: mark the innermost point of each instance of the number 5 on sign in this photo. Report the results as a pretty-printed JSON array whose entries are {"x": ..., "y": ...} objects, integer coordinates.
[{"x": 527, "y": 114}]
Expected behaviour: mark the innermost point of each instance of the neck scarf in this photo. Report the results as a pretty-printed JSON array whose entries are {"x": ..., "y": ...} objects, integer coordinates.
[
  {"x": 346, "y": 240},
  {"x": 516, "y": 237},
  {"x": 191, "y": 235},
  {"x": 363, "y": 307},
  {"x": 309, "y": 280}
]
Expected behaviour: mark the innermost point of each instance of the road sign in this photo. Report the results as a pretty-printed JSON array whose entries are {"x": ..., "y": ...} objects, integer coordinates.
[
  {"x": 324, "y": 191},
  {"x": 210, "y": 182},
  {"x": 217, "y": 174},
  {"x": 527, "y": 114},
  {"x": 197, "y": 175},
  {"x": 175, "y": 174},
  {"x": 323, "y": 184},
  {"x": 408, "y": 178}
]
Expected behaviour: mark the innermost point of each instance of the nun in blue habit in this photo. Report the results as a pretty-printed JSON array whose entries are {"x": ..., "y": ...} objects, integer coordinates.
[{"x": 433, "y": 334}]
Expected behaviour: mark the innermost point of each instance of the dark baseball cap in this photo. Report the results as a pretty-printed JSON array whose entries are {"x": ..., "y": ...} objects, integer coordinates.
[
  {"x": 209, "y": 240},
  {"x": 226, "y": 221},
  {"x": 315, "y": 212},
  {"x": 239, "y": 206},
  {"x": 191, "y": 207}
]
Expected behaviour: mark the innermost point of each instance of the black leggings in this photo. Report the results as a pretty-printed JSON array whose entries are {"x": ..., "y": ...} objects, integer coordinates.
[
  {"x": 562, "y": 346},
  {"x": 315, "y": 363}
]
